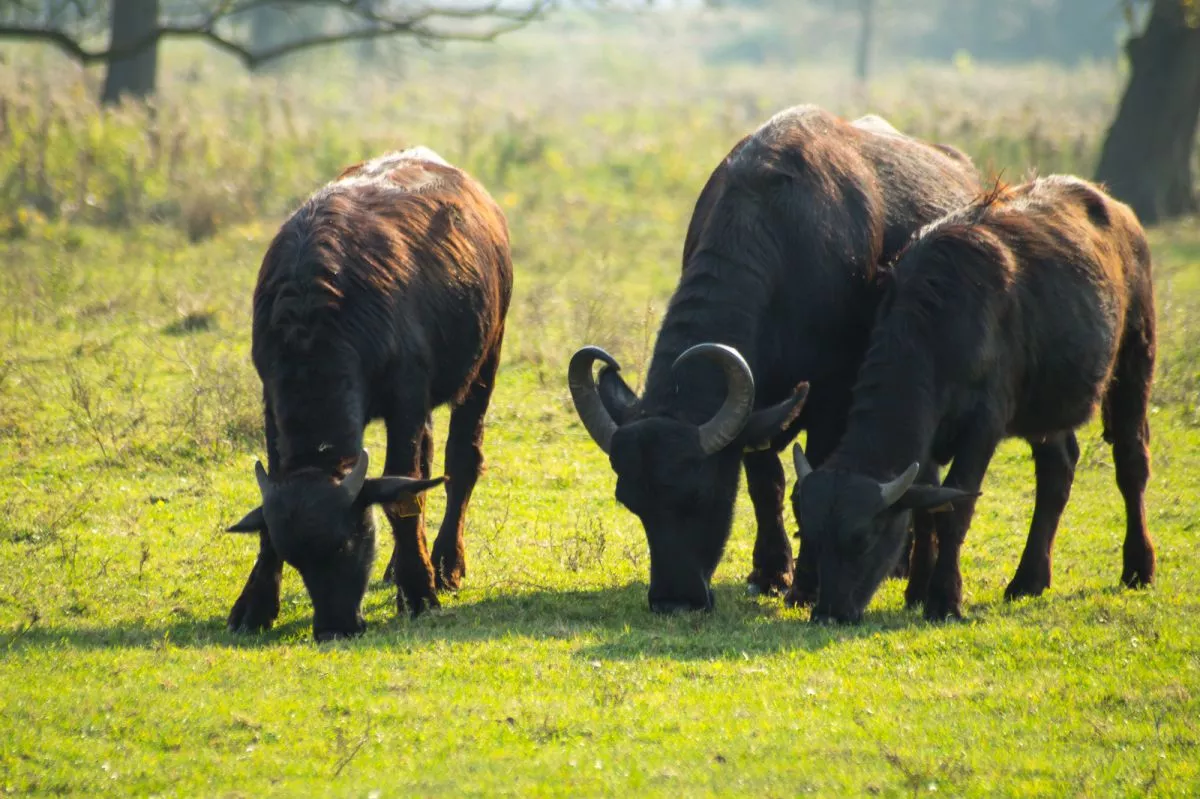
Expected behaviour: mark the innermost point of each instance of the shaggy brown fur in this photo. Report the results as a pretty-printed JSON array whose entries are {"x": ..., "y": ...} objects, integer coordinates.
[
  {"x": 1018, "y": 315},
  {"x": 779, "y": 263},
  {"x": 384, "y": 296}
]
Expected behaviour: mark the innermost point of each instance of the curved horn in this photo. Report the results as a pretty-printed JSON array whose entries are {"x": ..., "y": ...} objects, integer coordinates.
[
  {"x": 264, "y": 482},
  {"x": 803, "y": 467},
  {"x": 352, "y": 484},
  {"x": 727, "y": 424},
  {"x": 892, "y": 490},
  {"x": 591, "y": 410}
]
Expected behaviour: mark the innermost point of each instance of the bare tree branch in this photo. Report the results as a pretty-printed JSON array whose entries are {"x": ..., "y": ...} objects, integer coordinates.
[
  {"x": 59, "y": 39},
  {"x": 426, "y": 23}
]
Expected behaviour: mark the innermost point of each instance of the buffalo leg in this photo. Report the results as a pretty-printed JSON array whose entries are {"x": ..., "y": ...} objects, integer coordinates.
[
  {"x": 464, "y": 462},
  {"x": 922, "y": 558},
  {"x": 389, "y": 574},
  {"x": 921, "y": 553},
  {"x": 825, "y": 416},
  {"x": 1054, "y": 463},
  {"x": 257, "y": 606},
  {"x": 1126, "y": 429},
  {"x": 944, "y": 599},
  {"x": 407, "y": 443},
  {"x": 766, "y": 482}
]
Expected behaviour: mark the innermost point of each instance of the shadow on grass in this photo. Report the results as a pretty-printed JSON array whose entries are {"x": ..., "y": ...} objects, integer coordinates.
[
  {"x": 183, "y": 633},
  {"x": 1052, "y": 600},
  {"x": 609, "y": 623}
]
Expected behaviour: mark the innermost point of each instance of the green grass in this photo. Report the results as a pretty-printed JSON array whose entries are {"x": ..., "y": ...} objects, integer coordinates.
[{"x": 128, "y": 431}]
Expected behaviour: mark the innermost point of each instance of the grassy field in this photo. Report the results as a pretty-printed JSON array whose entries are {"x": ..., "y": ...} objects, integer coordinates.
[{"x": 129, "y": 427}]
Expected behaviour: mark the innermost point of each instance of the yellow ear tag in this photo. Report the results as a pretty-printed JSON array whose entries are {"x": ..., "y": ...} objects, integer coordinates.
[{"x": 408, "y": 506}]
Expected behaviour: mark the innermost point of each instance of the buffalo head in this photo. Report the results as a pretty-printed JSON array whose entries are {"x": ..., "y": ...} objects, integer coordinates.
[
  {"x": 678, "y": 477},
  {"x": 323, "y": 527},
  {"x": 857, "y": 528}
]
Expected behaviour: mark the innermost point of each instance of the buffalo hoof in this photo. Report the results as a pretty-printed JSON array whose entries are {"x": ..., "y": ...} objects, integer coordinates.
[
  {"x": 671, "y": 605},
  {"x": 800, "y": 597},
  {"x": 252, "y": 613},
  {"x": 915, "y": 597},
  {"x": 448, "y": 574},
  {"x": 1138, "y": 576},
  {"x": 848, "y": 617},
  {"x": 449, "y": 582},
  {"x": 942, "y": 608},
  {"x": 917, "y": 590},
  {"x": 1026, "y": 584},
  {"x": 324, "y": 636},
  {"x": 417, "y": 600},
  {"x": 764, "y": 583}
]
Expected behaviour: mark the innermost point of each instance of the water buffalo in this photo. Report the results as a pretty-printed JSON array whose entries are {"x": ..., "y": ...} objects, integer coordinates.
[
  {"x": 778, "y": 290},
  {"x": 1015, "y": 316},
  {"x": 383, "y": 296}
]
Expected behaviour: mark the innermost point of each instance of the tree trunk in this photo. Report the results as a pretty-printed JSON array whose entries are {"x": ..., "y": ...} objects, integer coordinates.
[
  {"x": 862, "y": 63},
  {"x": 133, "y": 69},
  {"x": 1146, "y": 160}
]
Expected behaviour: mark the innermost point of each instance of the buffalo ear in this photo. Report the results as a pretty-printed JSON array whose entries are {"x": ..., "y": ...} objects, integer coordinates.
[
  {"x": 385, "y": 490},
  {"x": 933, "y": 499},
  {"x": 764, "y": 425},
  {"x": 618, "y": 398},
  {"x": 252, "y": 522}
]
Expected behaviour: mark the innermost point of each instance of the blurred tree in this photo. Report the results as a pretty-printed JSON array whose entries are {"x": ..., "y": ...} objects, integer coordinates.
[
  {"x": 274, "y": 24},
  {"x": 133, "y": 70},
  {"x": 135, "y": 27},
  {"x": 268, "y": 26},
  {"x": 368, "y": 48},
  {"x": 871, "y": 31},
  {"x": 862, "y": 61},
  {"x": 1065, "y": 31},
  {"x": 1146, "y": 159}
]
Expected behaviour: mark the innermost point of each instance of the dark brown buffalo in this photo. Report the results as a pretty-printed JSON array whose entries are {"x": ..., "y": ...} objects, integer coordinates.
[
  {"x": 383, "y": 297},
  {"x": 1015, "y": 316},
  {"x": 778, "y": 289}
]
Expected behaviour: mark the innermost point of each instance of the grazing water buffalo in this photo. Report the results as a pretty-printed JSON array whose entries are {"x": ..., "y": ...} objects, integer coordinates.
[
  {"x": 384, "y": 296},
  {"x": 1014, "y": 316},
  {"x": 778, "y": 289}
]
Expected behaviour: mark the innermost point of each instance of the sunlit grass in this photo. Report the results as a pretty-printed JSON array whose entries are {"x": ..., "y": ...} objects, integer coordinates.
[{"x": 129, "y": 427}]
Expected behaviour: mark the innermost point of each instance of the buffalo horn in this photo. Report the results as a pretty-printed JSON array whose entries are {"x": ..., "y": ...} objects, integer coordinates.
[
  {"x": 892, "y": 490},
  {"x": 354, "y": 481},
  {"x": 803, "y": 468},
  {"x": 595, "y": 417},
  {"x": 264, "y": 482},
  {"x": 719, "y": 431}
]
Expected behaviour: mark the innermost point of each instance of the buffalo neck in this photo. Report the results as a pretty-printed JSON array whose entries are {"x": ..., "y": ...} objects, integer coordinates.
[
  {"x": 718, "y": 300},
  {"x": 895, "y": 408},
  {"x": 326, "y": 447},
  {"x": 948, "y": 296},
  {"x": 319, "y": 417}
]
